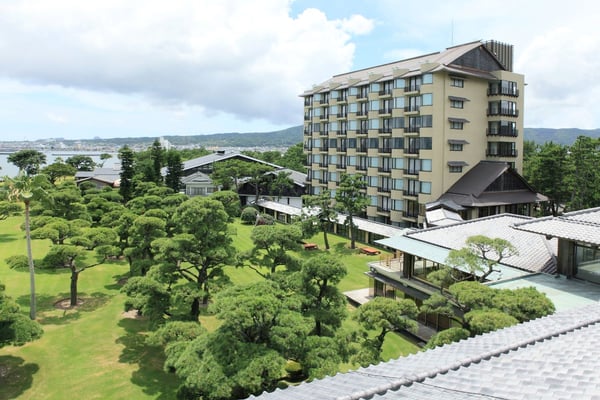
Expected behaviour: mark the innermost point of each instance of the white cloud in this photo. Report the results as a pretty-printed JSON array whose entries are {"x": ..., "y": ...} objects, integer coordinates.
[
  {"x": 357, "y": 24},
  {"x": 54, "y": 117},
  {"x": 248, "y": 59}
]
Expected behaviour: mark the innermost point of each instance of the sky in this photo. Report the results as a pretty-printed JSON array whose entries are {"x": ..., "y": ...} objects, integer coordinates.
[{"x": 77, "y": 69}]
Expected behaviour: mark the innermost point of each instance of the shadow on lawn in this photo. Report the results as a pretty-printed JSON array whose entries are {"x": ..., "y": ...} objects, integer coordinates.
[
  {"x": 50, "y": 311},
  {"x": 150, "y": 375},
  {"x": 15, "y": 376},
  {"x": 6, "y": 237}
]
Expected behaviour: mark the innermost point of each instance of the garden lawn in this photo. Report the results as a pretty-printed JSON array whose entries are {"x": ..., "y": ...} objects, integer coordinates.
[
  {"x": 97, "y": 352},
  {"x": 91, "y": 352}
]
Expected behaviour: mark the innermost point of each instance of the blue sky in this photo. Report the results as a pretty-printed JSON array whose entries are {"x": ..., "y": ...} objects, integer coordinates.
[{"x": 112, "y": 68}]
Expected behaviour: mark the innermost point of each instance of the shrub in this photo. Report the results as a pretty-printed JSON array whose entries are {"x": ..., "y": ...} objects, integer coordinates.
[
  {"x": 248, "y": 215},
  {"x": 17, "y": 262}
]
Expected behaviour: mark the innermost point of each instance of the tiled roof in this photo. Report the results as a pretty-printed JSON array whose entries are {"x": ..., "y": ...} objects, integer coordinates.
[
  {"x": 535, "y": 252},
  {"x": 218, "y": 156},
  {"x": 439, "y": 61},
  {"x": 555, "y": 357},
  {"x": 580, "y": 226},
  {"x": 362, "y": 224}
]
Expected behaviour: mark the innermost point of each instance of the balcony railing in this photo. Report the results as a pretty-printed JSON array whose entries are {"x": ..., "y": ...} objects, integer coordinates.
[
  {"x": 342, "y": 115},
  {"x": 412, "y": 108},
  {"x": 362, "y": 131},
  {"x": 386, "y": 149},
  {"x": 411, "y": 193},
  {"x": 507, "y": 112},
  {"x": 502, "y": 132},
  {"x": 412, "y": 88},
  {"x": 384, "y": 169},
  {"x": 503, "y": 92},
  {"x": 412, "y": 129},
  {"x": 384, "y": 130},
  {"x": 385, "y": 92},
  {"x": 411, "y": 171},
  {"x": 501, "y": 153},
  {"x": 387, "y": 110}
]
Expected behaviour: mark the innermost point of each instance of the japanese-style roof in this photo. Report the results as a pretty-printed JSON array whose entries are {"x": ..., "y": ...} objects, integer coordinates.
[
  {"x": 554, "y": 357},
  {"x": 579, "y": 226},
  {"x": 450, "y": 60},
  {"x": 196, "y": 177},
  {"x": 109, "y": 176},
  {"x": 218, "y": 156},
  {"x": 299, "y": 178},
  {"x": 535, "y": 252},
  {"x": 479, "y": 187}
]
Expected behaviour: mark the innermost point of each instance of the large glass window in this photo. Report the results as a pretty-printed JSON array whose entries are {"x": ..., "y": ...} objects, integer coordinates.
[{"x": 587, "y": 263}]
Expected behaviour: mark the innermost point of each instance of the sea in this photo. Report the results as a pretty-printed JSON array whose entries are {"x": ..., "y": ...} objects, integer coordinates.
[{"x": 9, "y": 169}]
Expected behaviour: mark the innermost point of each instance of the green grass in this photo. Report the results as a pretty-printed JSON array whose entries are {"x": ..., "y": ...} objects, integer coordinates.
[{"x": 95, "y": 352}]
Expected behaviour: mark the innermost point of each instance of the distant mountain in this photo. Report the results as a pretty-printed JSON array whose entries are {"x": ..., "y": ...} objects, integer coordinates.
[
  {"x": 291, "y": 136},
  {"x": 564, "y": 136}
]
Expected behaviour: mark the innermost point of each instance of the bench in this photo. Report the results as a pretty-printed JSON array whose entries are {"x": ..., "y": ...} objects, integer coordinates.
[
  {"x": 370, "y": 251},
  {"x": 310, "y": 246}
]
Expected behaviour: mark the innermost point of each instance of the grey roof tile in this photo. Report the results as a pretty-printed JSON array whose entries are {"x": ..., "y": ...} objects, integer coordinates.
[
  {"x": 555, "y": 357},
  {"x": 581, "y": 226}
]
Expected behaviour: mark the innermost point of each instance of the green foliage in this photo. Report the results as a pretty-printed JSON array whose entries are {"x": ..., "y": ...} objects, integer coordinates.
[
  {"x": 483, "y": 321},
  {"x": 248, "y": 215},
  {"x": 126, "y": 186},
  {"x": 351, "y": 198},
  {"x": 447, "y": 336},
  {"x": 523, "y": 303},
  {"x": 175, "y": 331},
  {"x": 81, "y": 162},
  {"x": 231, "y": 202},
  {"x": 322, "y": 213},
  {"x": 58, "y": 170},
  {"x": 272, "y": 243},
  {"x": 386, "y": 315},
  {"x": 149, "y": 297},
  {"x": 8, "y": 208},
  {"x": 28, "y": 161},
  {"x": 294, "y": 158},
  {"x": 480, "y": 255},
  {"x": 17, "y": 261},
  {"x": 321, "y": 299},
  {"x": 15, "y": 328},
  {"x": 174, "y": 167}
]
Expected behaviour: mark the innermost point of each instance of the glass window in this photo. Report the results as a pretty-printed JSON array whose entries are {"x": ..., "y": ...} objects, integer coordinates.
[
  {"x": 373, "y": 200},
  {"x": 353, "y": 91},
  {"x": 426, "y": 121},
  {"x": 457, "y": 82},
  {"x": 426, "y": 165},
  {"x": 399, "y": 83},
  {"x": 427, "y": 99},
  {"x": 374, "y": 162},
  {"x": 399, "y": 102},
  {"x": 374, "y": 124},
  {"x": 427, "y": 78},
  {"x": 457, "y": 103},
  {"x": 455, "y": 168},
  {"x": 456, "y": 147},
  {"x": 456, "y": 125},
  {"x": 374, "y": 105},
  {"x": 398, "y": 184},
  {"x": 426, "y": 187}
]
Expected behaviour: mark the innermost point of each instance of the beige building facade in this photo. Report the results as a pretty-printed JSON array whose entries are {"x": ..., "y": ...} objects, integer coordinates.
[{"x": 413, "y": 128}]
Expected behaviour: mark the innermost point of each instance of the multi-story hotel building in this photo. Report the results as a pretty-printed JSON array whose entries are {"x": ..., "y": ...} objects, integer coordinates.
[{"x": 413, "y": 128}]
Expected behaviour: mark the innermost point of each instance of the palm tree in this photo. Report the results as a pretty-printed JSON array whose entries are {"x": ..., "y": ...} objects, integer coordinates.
[{"x": 25, "y": 188}]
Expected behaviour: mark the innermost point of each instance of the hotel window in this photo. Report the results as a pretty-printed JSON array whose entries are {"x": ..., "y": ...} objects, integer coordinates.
[
  {"x": 457, "y": 103},
  {"x": 427, "y": 99},
  {"x": 399, "y": 83},
  {"x": 426, "y": 165},
  {"x": 457, "y": 82},
  {"x": 456, "y": 147},
  {"x": 427, "y": 78},
  {"x": 426, "y": 187},
  {"x": 455, "y": 168},
  {"x": 456, "y": 125}
]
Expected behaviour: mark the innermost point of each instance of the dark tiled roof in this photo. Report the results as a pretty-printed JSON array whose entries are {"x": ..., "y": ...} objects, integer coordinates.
[
  {"x": 555, "y": 357},
  {"x": 471, "y": 190}
]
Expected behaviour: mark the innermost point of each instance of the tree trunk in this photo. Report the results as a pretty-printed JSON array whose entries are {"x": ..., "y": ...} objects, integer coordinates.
[
  {"x": 74, "y": 279},
  {"x": 351, "y": 226},
  {"x": 32, "y": 307},
  {"x": 195, "y": 311}
]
